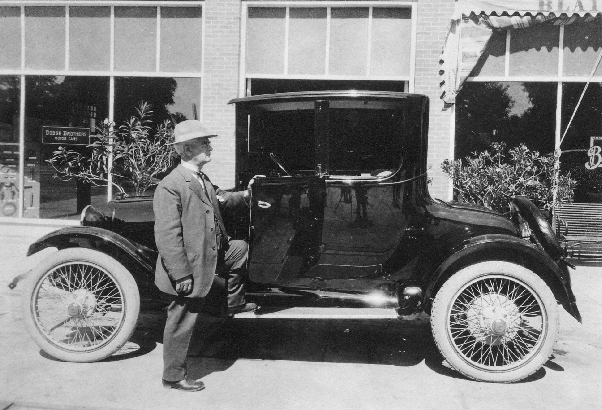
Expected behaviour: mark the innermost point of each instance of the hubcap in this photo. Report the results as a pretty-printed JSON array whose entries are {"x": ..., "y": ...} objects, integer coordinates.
[
  {"x": 493, "y": 319},
  {"x": 83, "y": 303}
]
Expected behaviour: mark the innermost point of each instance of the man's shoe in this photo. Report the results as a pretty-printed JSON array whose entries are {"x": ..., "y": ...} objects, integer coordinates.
[
  {"x": 187, "y": 384},
  {"x": 247, "y": 307}
]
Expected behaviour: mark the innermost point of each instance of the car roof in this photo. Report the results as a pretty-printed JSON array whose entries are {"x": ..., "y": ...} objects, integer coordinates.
[{"x": 313, "y": 95}]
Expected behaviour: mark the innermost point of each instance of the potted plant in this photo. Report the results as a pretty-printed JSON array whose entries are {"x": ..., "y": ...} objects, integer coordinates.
[{"x": 140, "y": 155}]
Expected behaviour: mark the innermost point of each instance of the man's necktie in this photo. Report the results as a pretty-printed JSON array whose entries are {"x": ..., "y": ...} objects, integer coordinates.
[{"x": 219, "y": 234}]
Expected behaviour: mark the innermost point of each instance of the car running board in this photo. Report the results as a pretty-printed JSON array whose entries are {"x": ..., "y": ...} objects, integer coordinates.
[{"x": 324, "y": 313}]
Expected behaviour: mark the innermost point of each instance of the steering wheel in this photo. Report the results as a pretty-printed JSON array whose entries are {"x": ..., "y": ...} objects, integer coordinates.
[{"x": 278, "y": 162}]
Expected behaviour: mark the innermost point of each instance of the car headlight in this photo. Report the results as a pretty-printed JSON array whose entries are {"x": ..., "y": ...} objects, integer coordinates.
[{"x": 91, "y": 217}]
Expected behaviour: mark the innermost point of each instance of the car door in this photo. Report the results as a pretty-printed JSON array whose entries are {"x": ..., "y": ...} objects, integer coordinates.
[{"x": 286, "y": 227}]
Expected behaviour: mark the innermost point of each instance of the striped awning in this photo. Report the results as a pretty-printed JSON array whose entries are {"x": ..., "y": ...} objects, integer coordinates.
[
  {"x": 527, "y": 7},
  {"x": 473, "y": 23}
]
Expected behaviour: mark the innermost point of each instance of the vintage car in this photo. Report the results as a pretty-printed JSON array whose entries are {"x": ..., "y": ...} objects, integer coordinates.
[{"x": 341, "y": 214}]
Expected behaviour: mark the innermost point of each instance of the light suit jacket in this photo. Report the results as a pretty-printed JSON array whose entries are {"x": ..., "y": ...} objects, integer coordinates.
[{"x": 185, "y": 230}]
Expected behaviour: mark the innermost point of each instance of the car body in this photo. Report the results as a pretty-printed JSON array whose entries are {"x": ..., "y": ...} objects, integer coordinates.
[{"x": 341, "y": 214}]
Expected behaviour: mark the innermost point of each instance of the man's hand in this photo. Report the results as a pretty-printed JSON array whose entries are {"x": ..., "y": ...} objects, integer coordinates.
[
  {"x": 184, "y": 285},
  {"x": 247, "y": 194},
  {"x": 252, "y": 181}
]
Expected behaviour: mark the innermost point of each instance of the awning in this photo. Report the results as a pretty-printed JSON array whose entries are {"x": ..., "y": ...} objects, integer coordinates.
[
  {"x": 524, "y": 7},
  {"x": 473, "y": 23}
]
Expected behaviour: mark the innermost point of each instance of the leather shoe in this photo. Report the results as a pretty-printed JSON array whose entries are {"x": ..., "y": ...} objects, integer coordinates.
[
  {"x": 186, "y": 384},
  {"x": 247, "y": 307}
]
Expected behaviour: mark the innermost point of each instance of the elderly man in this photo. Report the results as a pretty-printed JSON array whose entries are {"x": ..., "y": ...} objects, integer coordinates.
[{"x": 198, "y": 265}]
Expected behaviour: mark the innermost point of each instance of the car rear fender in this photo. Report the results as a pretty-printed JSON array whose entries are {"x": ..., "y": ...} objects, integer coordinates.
[
  {"x": 134, "y": 256},
  {"x": 510, "y": 249}
]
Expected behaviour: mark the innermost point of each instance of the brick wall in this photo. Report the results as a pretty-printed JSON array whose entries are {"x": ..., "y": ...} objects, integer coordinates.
[
  {"x": 432, "y": 26},
  {"x": 220, "y": 84}
]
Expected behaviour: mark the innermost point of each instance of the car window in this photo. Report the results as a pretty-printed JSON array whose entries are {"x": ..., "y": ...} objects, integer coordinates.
[
  {"x": 365, "y": 141},
  {"x": 287, "y": 133}
]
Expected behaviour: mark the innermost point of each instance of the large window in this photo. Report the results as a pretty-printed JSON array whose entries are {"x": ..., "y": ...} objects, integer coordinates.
[
  {"x": 58, "y": 101},
  {"x": 514, "y": 92},
  {"x": 79, "y": 65},
  {"x": 585, "y": 130},
  {"x": 365, "y": 41},
  {"x": 508, "y": 112},
  {"x": 144, "y": 38}
]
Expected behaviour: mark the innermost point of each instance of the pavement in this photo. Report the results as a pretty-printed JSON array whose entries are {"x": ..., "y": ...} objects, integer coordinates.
[{"x": 288, "y": 363}]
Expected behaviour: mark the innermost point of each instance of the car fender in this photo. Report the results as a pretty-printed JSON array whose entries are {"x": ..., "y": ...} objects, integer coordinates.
[
  {"x": 511, "y": 249},
  {"x": 136, "y": 257}
]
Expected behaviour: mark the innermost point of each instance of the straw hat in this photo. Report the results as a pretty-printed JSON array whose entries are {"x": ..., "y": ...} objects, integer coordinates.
[{"x": 190, "y": 129}]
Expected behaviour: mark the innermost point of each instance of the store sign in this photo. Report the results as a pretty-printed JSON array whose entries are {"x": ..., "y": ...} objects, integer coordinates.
[
  {"x": 66, "y": 135},
  {"x": 594, "y": 153}
]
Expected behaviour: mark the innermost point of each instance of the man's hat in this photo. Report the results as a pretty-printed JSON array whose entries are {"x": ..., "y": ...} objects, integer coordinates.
[{"x": 190, "y": 129}]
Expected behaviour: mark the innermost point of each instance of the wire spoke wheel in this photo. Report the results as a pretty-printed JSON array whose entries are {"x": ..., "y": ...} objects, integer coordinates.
[
  {"x": 81, "y": 305},
  {"x": 78, "y": 305},
  {"x": 495, "y": 321}
]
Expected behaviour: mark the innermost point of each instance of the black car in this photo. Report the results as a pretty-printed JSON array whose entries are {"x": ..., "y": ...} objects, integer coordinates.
[{"x": 341, "y": 216}]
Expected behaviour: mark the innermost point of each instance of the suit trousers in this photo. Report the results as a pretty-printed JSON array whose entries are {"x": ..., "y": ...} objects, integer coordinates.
[{"x": 183, "y": 313}]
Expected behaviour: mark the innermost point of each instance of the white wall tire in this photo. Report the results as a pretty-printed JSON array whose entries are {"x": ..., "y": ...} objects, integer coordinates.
[
  {"x": 495, "y": 321},
  {"x": 80, "y": 305}
]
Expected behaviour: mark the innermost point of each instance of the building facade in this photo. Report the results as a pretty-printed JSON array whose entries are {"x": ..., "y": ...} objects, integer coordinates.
[{"x": 66, "y": 66}]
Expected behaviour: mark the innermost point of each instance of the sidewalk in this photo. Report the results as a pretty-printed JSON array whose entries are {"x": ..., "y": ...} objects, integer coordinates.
[{"x": 290, "y": 364}]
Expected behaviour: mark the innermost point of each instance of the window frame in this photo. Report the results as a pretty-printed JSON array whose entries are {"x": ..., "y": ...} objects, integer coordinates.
[
  {"x": 111, "y": 73},
  {"x": 560, "y": 78},
  {"x": 246, "y": 78}
]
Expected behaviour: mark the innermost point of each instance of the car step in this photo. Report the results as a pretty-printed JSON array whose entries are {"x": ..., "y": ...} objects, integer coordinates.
[{"x": 319, "y": 313}]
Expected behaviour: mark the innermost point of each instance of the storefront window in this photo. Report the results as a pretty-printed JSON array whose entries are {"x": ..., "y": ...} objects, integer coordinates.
[
  {"x": 370, "y": 41},
  {"x": 44, "y": 44},
  {"x": 10, "y": 33},
  {"x": 135, "y": 38},
  {"x": 585, "y": 131},
  {"x": 49, "y": 47},
  {"x": 265, "y": 40},
  {"x": 171, "y": 99},
  {"x": 89, "y": 38},
  {"x": 307, "y": 33},
  {"x": 53, "y": 102},
  {"x": 348, "y": 38},
  {"x": 509, "y": 112},
  {"x": 391, "y": 45},
  {"x": 534, "y": 51},
  {"x": 181, "y": 39},
  {"x": 493, "y": 60},
  {"x": 9, "y": 146},
  {"x": 581, "y": 43}
]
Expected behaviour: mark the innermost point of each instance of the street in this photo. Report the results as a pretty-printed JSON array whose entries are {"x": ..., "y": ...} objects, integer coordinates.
[{"x": 251, "y": 363}]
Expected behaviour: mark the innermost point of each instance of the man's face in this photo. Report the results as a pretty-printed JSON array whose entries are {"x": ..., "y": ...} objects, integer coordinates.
[{"x": 200, "y": 151}]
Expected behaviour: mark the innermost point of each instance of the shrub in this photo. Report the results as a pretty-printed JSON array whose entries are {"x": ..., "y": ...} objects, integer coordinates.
[
  {"x": 140, "y": 154},
  {"x": 492, "y": 177}
]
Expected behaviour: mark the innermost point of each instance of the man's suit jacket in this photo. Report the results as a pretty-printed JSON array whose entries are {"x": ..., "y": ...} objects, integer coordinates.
[{"x": 185, "y": 230}]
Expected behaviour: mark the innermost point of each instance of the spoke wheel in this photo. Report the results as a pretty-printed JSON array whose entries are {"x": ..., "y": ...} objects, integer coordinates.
[
  {"x": 80, "y": 305},
  {"x": 495, "y": 321}
]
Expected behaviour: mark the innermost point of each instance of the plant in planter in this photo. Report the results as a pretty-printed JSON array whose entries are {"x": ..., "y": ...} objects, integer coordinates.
[
  {"x": 492, "y": 177},
  {"x": 140, "y": 154}
]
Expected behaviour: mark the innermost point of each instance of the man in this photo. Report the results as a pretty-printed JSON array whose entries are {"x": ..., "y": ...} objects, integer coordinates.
[{"x": 198, "y": 264}]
